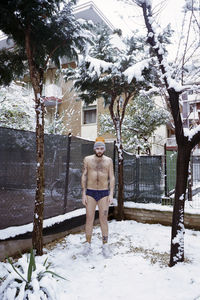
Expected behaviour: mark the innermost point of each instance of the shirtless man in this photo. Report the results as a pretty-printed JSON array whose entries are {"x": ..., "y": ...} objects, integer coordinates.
[{"x": 96, "y": 177}]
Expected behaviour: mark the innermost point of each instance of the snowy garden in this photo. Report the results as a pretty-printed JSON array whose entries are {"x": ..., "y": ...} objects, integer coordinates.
[
  {"x": 127, "y": 70},
  {"x": 138, "y": 268}
]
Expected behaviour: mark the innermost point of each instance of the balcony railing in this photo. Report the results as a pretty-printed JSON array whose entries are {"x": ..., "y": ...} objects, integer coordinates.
[{"x": 171, "y": 142}]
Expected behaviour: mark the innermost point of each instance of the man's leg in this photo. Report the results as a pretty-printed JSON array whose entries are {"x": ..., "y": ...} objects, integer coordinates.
[
  {"x": 90, "y": 213},
  {"x": 103, "y": 218}
]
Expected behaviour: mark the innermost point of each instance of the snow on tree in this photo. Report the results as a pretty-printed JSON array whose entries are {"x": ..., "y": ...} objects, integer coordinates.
[
  {"x": 17, "y": 112},
  {"x": 43, "y": 32},
  {"x": 141, "y": 120},
  {"x": 17, "y": 107},
  {"x": 173, "y": 77},
  {"x": 116, "y": 70}
]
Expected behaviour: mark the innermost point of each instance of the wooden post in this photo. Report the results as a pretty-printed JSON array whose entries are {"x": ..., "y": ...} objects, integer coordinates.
[{"x": 67, "y": 171}]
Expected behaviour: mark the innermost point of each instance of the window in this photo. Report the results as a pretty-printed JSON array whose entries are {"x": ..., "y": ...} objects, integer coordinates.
[
  {"x": 89, "y": 114},
  {"x": 191, "y": 108},
  {"x": 198, "y": 106}
]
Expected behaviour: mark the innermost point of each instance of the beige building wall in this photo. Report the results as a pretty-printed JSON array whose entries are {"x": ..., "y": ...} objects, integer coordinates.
[
  {"x": 159, "y": 137},
  {"x": 89, "y": 131},
  {"x": 70, "y": 109},
  {"x": 102, "y": 110}
]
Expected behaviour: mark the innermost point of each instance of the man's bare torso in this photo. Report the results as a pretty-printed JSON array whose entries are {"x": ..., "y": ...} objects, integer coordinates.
[{"x": 97, "y": 171}]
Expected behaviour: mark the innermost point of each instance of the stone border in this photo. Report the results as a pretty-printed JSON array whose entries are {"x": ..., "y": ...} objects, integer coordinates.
[{"x": 143, "y": 215}]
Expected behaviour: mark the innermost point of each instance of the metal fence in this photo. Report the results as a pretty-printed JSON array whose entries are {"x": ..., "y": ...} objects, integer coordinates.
[
  {"x": 192, "y": 201},
  {"x": 63, "y": 166},
  {"x": 144, "y": 176}
]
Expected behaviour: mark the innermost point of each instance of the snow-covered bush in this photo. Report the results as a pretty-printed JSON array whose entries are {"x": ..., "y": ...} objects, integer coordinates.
[
  {"x": 26, "y": 281},
  {"x": 56, "y": 126},
  {"x": 17, "y": 107}
]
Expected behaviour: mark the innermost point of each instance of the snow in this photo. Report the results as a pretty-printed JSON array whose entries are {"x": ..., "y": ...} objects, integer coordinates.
[
  {"x": 97, "y": 65},
  {"x": 17, "y": 230},
  {"x": 138, "y": 268},
  {"x": 191, "y": 132},
  {"x": 136, "y": 70}
]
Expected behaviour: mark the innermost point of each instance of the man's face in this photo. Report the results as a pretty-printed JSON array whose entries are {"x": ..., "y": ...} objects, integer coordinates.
[{"x": 99, "y": 151}]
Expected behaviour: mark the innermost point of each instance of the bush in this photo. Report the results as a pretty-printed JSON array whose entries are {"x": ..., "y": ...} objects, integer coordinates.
[{"x": 25, "y": 281}]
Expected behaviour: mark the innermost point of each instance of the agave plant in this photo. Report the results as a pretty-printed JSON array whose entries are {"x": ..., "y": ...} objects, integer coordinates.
[{"x": 25, "y": 281}]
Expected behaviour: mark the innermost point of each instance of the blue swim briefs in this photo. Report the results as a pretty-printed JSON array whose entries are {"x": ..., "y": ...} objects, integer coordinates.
[{"x": 97, "y": 194}]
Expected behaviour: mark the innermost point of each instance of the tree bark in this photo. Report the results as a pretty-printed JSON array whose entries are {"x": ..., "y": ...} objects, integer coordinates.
[
  {"x": 37, "y": 238},
  {"x": 120, "y": 199},
  {"x": 120, "y": 207},
  {"x": 177, "y": 237},
  {"x": 36, "y": 76}
]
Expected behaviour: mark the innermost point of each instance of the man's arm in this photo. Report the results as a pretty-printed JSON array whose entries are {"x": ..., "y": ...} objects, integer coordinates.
[
  {"x": 112, "y": 181},
  {"x": 84, "y": 181}
]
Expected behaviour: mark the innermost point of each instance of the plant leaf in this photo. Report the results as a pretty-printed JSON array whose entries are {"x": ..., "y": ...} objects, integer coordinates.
[
  {"x": 31, "y": 266},
  {"x": 10, "y": 262},
  {"x": 45, "y": 261},
  {"x": 54, "y": 274}
]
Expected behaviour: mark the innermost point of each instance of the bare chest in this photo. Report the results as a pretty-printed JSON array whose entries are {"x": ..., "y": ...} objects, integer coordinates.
[{"x": 99, "y": 167}]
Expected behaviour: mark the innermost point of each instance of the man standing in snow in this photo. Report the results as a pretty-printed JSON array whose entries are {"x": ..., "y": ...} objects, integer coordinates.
[{"x": 96, "y": 177}]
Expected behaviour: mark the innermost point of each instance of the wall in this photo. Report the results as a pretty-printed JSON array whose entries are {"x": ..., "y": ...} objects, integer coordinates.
[
  {"x": 71, "y": 107},
  {"x": 150, "y": 216}
]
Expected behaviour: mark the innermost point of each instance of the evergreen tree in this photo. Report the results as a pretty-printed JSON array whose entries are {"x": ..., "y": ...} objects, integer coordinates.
[
  {"x": 116, "y": 70},
  {"x": 141, "y": 120},
  {"x": 42, "y": 33}
]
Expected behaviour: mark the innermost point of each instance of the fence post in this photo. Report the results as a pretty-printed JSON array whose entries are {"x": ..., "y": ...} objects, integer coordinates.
[
  {"x": 114, "y": 156},
  {"x": 67, "y": 171},
  {"x": 137, "y": 176},
  {"x": 190, "y": 180},
  {"x": 165, "y": 169}
]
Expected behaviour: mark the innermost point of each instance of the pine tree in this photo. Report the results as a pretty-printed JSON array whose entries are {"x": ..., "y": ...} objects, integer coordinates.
[
  {"x": 141, "y": 120},
  {"x": 116, "y": 70},
  {"x": 42, "y": 33}
]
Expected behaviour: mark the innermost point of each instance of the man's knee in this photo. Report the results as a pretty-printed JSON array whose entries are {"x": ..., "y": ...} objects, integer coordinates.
[
  {"x": 103, "y": 216},
  {"x": 90, "y": 218}
]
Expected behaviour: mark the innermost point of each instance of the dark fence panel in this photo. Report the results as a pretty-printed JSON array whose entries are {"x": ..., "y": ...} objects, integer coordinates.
[
  {"x": 18, "y": 175},
  {"x": 143, "y": 178}
]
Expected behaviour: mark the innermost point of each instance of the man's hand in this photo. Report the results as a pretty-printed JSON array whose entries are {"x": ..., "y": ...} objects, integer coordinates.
[
  {"x": 84, "y": 199},
  {"x": 110, "y": 199}
]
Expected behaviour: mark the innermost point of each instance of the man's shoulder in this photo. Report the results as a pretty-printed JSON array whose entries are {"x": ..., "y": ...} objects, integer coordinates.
[
  {"x": 107, "y": 158},
  {"x": 89, "y": 157}
]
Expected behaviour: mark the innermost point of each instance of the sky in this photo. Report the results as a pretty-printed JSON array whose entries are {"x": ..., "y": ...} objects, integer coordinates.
[{"x": 129, "y": 16}]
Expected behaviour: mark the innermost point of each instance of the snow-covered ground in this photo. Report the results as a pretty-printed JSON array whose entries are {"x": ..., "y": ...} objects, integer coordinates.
[{"x": 137, "y": 270}]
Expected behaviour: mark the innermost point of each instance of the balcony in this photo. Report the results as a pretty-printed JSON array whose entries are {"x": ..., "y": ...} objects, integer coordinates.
[
  {"x": 52, "y": 101},
  {"x": 171, "y": 143}
]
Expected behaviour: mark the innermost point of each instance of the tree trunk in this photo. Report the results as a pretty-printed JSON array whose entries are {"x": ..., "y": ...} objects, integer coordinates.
[
  {"x": 120, "y": 208},
  {"x": 120, "y": 199},
  {"x": 37, "y": 238},
  {"x": 177, "y": 238}
]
